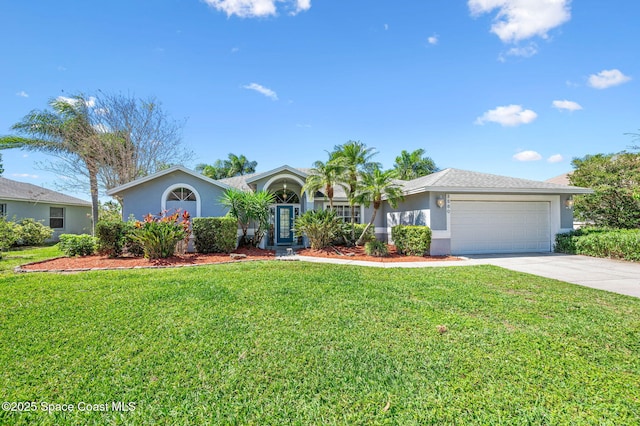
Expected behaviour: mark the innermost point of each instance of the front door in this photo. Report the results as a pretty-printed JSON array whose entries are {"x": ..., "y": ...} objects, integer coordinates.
[{"x": 284, "y": 216}]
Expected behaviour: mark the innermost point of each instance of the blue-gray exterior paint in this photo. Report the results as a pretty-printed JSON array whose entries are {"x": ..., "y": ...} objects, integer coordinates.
[
  {"x": 77, "y": 219},
  {"x": 146, "y": 198}
]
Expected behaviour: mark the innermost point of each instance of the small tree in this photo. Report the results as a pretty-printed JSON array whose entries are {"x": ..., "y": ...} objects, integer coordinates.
[
  {"x": 324, "y": 176},
  {"x": 373, "y": 187},
  {"x": 321, "y": 227},
  {"x": 235, "y": 165},
  {"x": 248, "y": 207},
  {"x": 615, "y": 180}
]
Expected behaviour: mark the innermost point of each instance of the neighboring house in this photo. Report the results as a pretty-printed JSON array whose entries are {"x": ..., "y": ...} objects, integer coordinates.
[
  {"x": 468, "y": 212},
  {"x": 63, "y": 213}
]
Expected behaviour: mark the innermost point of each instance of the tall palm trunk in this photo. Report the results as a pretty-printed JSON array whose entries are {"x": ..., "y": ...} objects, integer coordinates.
[
  {"x": 376, "y": 207},
  {"x": 93, "y": 187}
]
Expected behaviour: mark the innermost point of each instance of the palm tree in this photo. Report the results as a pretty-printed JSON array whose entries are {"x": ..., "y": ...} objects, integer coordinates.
[
  {"x": 66, "y": 129},
  {"x": 374, "y": 186},
  {"x": 412, "y": 165},
  {"x": 353, "y": 156},
  {"x": 323, "y": 176},
  {"x": 239, "y": 165}
]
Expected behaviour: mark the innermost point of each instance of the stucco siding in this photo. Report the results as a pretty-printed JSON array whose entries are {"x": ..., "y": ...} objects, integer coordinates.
[
  {"x": 77, "y": 219},
  {"x": 147, "y": 197}
]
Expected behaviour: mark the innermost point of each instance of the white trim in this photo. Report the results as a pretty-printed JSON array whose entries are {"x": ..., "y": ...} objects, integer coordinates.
[
  {"x": 277, "y": 170},
  {"x": 163, "y": 173},
  {"x": 346, "y": 204},
  {"x": 163, "y": 201},
  {"x": 285, "y": 176}
]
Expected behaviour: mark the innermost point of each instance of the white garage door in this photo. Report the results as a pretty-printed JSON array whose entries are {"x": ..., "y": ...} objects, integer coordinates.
[{"x": 500, "y": 227}]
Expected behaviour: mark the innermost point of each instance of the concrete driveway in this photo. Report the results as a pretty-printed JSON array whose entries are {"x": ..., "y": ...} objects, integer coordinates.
[{"x": 604, "y": 274}]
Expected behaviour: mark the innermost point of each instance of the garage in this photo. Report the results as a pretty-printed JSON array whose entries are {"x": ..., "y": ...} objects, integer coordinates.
[{"x": 500, "y": 227}]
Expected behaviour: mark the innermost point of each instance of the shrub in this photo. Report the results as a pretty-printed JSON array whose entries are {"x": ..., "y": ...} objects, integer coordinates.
[
  {"x": 321, "y": 227},
  {"x": 110, "y": 236},
  {"x": 601, "y": 242},
  {"x": 345, "y": 236},
  {"x": 32, "y": 233},
  {"x": 77, "y": 245},
  {"x": 8, "y": 234},
  {"x": 376, "y": 248},
  {"x": 159, "y": 235},
  {"x": 411, "y": 240},
  {"x": 215, "y": 234},
  {"x": 130, "y": 245}
]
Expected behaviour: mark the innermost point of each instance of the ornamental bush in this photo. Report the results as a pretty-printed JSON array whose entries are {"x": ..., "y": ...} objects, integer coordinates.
[
  {"x": 321, "y": 227},
  {"x": 601, "y": 242},
  {"x": 159, "y": 235},
  {"x": 376, "y": 248},
  {"x": 8, "y": 234},
  {"x": 32, "y": 233},
  {"x": 412, "y": 240},
  {"x": 77, "y": 245},
  {"x": 346, "y": 233},
  {"x": 215, "y": 234},
  {"x": 110, "y": 234}
]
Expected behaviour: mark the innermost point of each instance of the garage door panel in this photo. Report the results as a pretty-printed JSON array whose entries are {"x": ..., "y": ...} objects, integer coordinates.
[{"x": 500, "y": 227}]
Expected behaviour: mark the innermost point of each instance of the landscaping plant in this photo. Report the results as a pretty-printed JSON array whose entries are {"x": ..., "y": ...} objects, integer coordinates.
[
  {"x": 7, "y": 235},
  {"x": 77, "y": 245},
  {"x": 31, "y": 232},
  {"x": 160, "y": 234},
  {"x": 412, "y": 240},
  {"x": 321, "y": 227},
  {"x": 215, "y": 234},
  {"x": 376, "y": 248}
]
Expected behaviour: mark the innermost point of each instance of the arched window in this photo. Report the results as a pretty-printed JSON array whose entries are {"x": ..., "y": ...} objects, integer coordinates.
[
  {"x": 284, "y": 196},
  {"x": 181, "y": 194}
]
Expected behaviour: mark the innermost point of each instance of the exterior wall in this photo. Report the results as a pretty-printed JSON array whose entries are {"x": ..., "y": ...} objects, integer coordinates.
[
  {"x": 414, "y": 210},
  {"x": 77, "y": 219},
  {"x": 147, "y": 197},
  {"x": 566, "y": 215}
]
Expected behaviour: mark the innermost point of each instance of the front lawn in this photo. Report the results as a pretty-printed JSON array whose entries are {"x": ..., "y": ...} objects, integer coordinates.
[
  {"x": 298, "y": 343},
  {"x": 20, "y": 255}
]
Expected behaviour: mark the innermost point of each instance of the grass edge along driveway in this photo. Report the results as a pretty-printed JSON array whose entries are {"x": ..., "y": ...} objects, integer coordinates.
[{"x": 290, "y": 342}]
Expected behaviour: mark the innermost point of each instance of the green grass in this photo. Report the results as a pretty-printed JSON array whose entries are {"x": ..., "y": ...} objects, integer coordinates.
[
  {"x": 296, "y": 343},
  {"x": 21, "y": 255}
]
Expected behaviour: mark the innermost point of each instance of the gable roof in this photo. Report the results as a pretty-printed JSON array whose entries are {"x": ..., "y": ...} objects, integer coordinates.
[
  {"x": 560, "y": 180},
  {"x": 22, "y": 191},
  {"x": 150, "y": 177},
  {"x": 243, "y": 181},
  {"x": 456, "y": 180}
]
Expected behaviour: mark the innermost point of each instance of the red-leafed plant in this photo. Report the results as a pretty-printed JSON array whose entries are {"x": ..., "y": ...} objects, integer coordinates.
[{"x": 160, "y": 234}]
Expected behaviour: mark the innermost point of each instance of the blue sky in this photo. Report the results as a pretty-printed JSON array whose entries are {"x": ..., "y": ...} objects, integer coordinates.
[{"x": 512, "y": 87}]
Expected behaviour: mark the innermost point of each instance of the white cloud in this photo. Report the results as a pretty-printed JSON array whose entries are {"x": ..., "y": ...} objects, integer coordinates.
[
  {"x": 90, "y": 103},
  {"x": 263, "y": 90},
  {"x": 510, "y": 115},
  {"x": 525, "y": 52},
  {"x": 522, "y": 19},
  {"x": 258, "y": 8},
  {"x": 24, "y": 175},
  {"x": 567, "y": 105},
  {"x": 22, "y": 94},
  {"x": 556, "y": 158},
  {"x": 235, "y": 49},
  {"x": 433, "y": 39},
  {"x": 607, "y": 78},
  {"x": 61, "y": 68},
  {"x": 386, "y": 27},
  {"x": 527, "y": 156}
]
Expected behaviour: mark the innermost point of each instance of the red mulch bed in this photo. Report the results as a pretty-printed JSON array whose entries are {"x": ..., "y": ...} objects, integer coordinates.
[
  {"x": 357, "y": 253},
  {"x": 103, "y": 262}
]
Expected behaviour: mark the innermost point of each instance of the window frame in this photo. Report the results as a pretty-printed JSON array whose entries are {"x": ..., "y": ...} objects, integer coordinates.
[
  {"x": 60, "y": 218},
  {"x": 341, "y": 208}
]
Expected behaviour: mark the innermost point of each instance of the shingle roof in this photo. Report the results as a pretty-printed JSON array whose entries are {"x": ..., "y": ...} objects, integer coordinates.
[
  {"x": 560, "y": 180},
  {"x": 21, "y": 191},
  {"x": 468, "y": 181}
]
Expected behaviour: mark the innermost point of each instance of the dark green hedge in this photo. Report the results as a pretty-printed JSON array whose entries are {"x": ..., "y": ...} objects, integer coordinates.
[
  {"x": 411, "y": 240},
  {"x": 215, "y": 234},
  {"x": 601, "y": 242}
]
